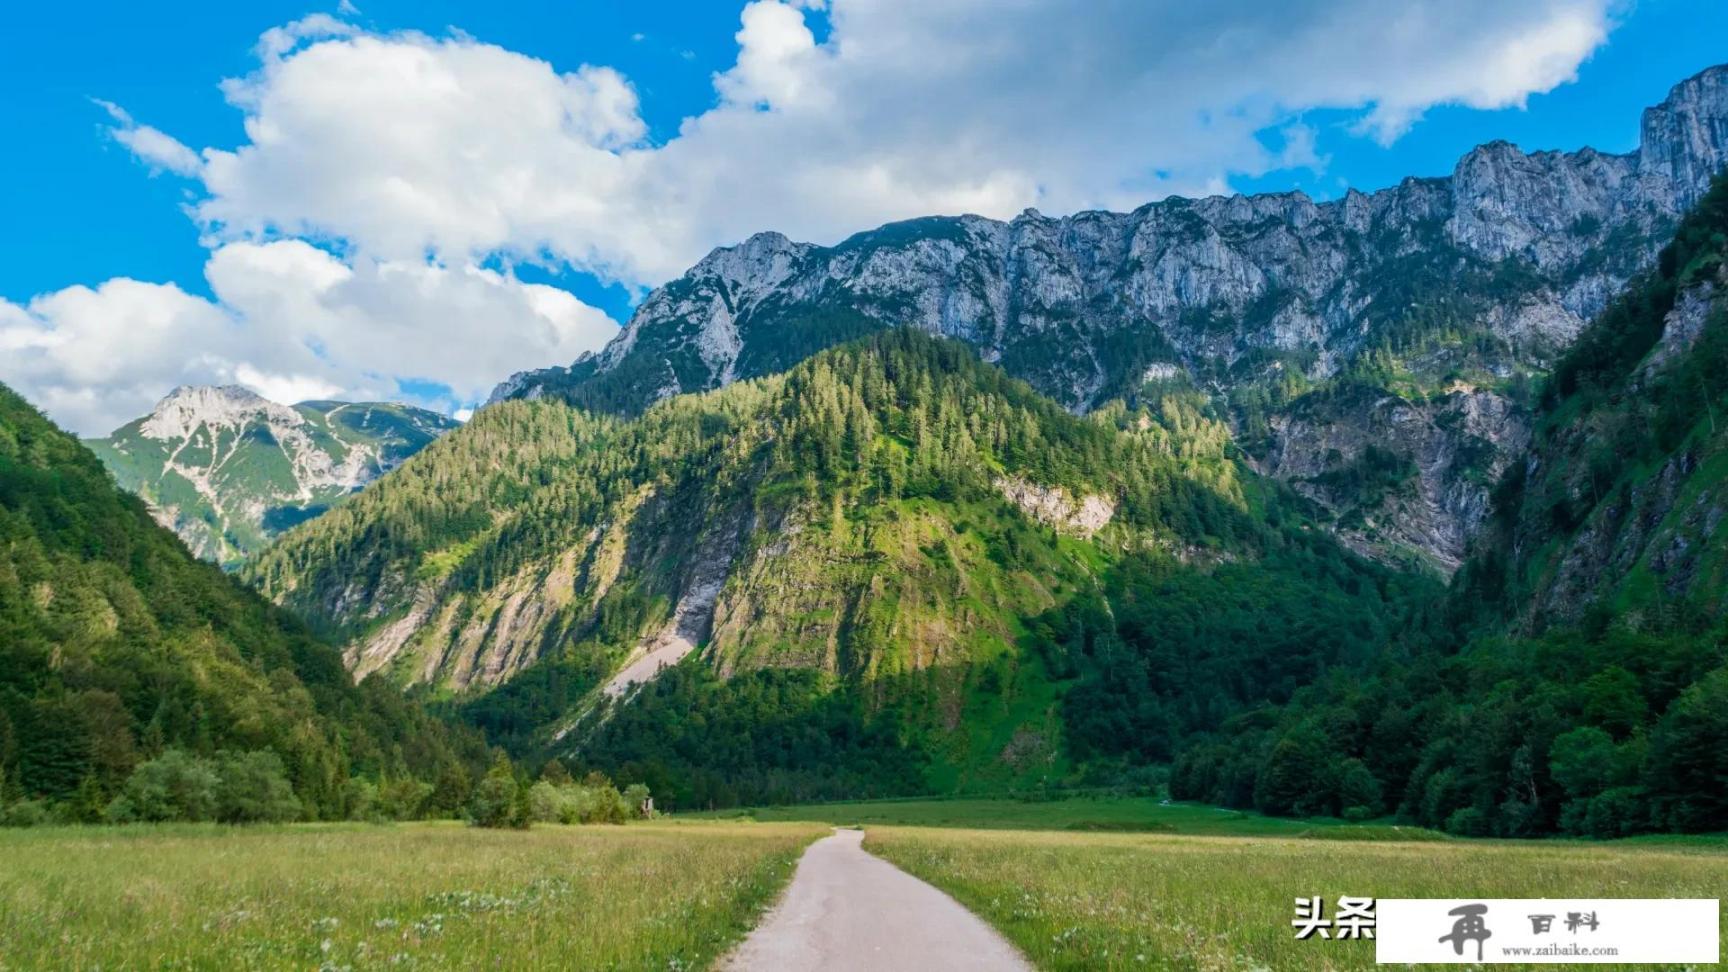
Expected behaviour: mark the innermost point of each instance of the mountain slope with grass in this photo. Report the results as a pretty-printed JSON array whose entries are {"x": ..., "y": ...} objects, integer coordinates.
[
  {"x": 847, "y": 568},
  {"x": 116, "y": 647},
  {"x": 228, "y": 470}
]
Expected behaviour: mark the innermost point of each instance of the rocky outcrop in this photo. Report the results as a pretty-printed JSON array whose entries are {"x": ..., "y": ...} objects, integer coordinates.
[
  {"x": 1081, "y": 516},
  {"x": 1506, "y": 258},
  {"x": 1404, "y": 477}
]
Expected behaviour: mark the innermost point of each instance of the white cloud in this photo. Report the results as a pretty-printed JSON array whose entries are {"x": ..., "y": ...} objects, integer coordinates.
[
  {"x": 292, "y": 322},
  {"x": 157, "y": 149},
  {"x": 424, "y": 158},
  {"x": 403, "y": 144}
]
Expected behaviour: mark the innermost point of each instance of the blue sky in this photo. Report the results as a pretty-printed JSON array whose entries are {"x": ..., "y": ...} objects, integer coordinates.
[{"x": 707, "y": 133}]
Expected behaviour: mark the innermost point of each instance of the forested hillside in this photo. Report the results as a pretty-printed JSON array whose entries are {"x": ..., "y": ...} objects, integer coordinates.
[
  {"x": 126, "y": 665},
  {"x": 1577, "y": 679},
  {"x": 878, "y": 561}
]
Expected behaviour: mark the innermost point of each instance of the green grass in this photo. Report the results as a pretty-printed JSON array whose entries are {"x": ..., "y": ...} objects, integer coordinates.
[
  {"x": 1145, "y": 901},
  {"x": 443, "y": 896},
  {"x": 1130, "y": 814}
]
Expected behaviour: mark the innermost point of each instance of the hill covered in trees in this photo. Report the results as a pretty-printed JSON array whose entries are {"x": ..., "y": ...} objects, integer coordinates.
[
  {"x": 128, "y": 668},
  {"x": 868, "y": 564}
]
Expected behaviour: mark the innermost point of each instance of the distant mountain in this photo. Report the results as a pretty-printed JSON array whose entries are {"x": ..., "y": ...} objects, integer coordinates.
[
  {"x": 1386, "y": 338},
  {"x": 854, "y": 575},
  {"x": 228, "y": 470},
  {"x": 116, "y": 645}
]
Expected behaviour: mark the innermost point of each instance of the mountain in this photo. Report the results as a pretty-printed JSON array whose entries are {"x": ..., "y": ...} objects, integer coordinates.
[
  {"x": 1389, "y": 337},
  {"x": 228, "y": 470},
  {"x": 1576, "y": 678},
  {"x": 854, "y": 572},
  {"x": 116, "y": 646},
  {"x": 1620, "y": 509}
]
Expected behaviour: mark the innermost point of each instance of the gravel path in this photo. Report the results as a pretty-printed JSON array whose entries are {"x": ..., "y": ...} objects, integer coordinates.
[{"x": 849, "y": 911}]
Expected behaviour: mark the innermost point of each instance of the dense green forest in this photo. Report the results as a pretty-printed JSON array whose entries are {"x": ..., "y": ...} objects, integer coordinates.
[
  {"x": 889, "y": 622},
  {"x": 1576, "y": 679},
  {"x": 128, "y": 669}
]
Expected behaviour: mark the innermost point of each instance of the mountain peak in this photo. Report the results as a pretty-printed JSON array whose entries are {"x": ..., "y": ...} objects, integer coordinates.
[
  {"x": 222, "y": 406},
  {"x": 1684, "y": 140},
  {"x": 227, "y": 468},
  {"x": 230, "y": 392}
]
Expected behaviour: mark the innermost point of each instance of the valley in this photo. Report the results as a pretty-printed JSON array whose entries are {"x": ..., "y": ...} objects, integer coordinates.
[
  {"x": 1174, "y": 891},
  {"x": 1067, "y": 592}
]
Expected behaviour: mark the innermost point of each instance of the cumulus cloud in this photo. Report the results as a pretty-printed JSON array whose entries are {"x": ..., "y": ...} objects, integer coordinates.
[
  {"x": 424, "y": 158},
  {"x": 292, "y": 322},
  {"x": 404, "y": 143}
]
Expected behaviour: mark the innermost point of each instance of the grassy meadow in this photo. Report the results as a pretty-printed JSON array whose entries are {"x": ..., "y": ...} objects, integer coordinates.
[
  {"x": 1076, "y": 813},
  {"x": 409, "y": 896},
  {"x": 1080, "y": 883},
  {"x": 1155, "y": 901}
]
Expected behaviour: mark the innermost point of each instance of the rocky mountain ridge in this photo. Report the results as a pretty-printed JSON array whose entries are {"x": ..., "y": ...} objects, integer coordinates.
[
  {"x": 227, "y": 469},
  {"x": 1431, "y": 289}
]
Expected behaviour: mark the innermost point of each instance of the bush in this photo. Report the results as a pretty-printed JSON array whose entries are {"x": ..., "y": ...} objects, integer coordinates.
[
  {"x": 547, "y": 803},
  {"x": 174, "y": 786},
  {"x": 636, "y": 797},
  {"x": 253, "y": 788},
  {"x": 1358, "y": 790},
  {"x": 235, "y": 787},
  {"x": 402, "y": 799},
  {"x": 594, "y": 800},
  {"x": 1467, "y": 822},
  {"x": 360, "y": 801},
  {"x": 25, "y": 813},
  {"x": 499, "y": 801},
  {"x": 1617, "y": 813}
]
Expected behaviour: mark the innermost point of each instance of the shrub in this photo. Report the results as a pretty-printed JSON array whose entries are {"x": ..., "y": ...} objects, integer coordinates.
[
  {"x": 403, "y": 798},
  {"x": 548, "y": 803},
  {"x": 174, "y": 786},
  {"x": 1617, "y": 813},
  {"x": 498, "y": 800},
  {"x": 360, "y": 801},
  {"x": 636, "y": 797},
  {"x": 253, "y": 788},
  {"x": 25, "y": 813},
  {"x": 1467, "y": 822}
]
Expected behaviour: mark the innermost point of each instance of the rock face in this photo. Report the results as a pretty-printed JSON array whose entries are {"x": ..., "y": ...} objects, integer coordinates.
[
  {"x": 1480, "y": 277},
  {"x": 227, "y": 469},
  {"x": 1082, "y": 517},
  {"x": 1401, "y": 475}
]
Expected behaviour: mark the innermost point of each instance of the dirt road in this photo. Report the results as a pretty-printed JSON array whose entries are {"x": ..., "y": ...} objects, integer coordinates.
[{"x": 848, "y": 911}]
